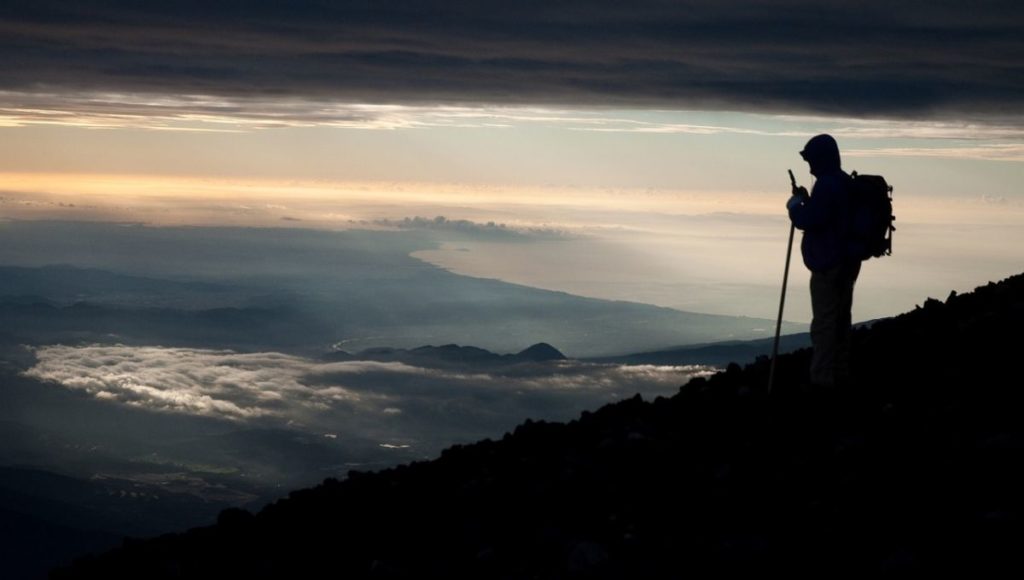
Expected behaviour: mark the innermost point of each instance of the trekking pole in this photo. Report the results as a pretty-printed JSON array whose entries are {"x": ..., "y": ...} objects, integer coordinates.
[{"x": 782, "y": 300}]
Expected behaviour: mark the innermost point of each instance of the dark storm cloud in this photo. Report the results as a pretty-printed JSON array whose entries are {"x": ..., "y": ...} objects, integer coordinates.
[{"x": 913, "y": 57}]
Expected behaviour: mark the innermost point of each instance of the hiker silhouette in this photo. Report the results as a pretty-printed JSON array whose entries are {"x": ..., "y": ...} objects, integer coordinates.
[{"x": 823, "y": 216}]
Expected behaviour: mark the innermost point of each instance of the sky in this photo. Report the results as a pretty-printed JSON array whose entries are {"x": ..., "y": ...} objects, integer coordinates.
[{"x": 653, "y": 136}]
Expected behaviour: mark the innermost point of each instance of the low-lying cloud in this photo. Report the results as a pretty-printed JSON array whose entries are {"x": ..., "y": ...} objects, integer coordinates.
[
  {"x": 389, "y": 401},
  {"x": 215, "y": 383},
  {"x": 486, "y": 230}
]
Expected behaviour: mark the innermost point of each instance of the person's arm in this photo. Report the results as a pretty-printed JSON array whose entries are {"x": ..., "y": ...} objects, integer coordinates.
[{"x": 814, "y": 211}]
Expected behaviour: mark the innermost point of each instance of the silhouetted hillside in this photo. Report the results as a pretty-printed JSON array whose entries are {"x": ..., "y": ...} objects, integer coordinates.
[{"x": 917, "y": 470}]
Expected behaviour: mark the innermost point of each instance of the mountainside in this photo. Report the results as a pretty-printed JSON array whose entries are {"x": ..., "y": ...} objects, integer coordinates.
[{"x": 917, "y": 470}]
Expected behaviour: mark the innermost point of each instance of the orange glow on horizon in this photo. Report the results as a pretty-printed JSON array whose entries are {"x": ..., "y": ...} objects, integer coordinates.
[{"x": 186, "y": 200}]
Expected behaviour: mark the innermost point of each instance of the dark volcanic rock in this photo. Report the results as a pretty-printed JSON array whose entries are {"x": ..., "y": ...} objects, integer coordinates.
[{"x": 916, "y": 470}]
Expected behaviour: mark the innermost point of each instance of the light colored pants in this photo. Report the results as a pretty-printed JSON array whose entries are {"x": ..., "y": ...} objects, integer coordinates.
[{"x": 831, "y": 302}]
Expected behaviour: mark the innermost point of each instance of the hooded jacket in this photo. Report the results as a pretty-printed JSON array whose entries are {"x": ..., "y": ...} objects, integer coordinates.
[{"x": 823, "y": 216}]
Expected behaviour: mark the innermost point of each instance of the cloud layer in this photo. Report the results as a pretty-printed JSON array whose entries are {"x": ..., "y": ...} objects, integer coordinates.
[
  {"x": 387, "y": 401},
  {"x": 488, "y": 230},
  {"x": 202, "y": 382},
  {"x": 854, "y": 57}
]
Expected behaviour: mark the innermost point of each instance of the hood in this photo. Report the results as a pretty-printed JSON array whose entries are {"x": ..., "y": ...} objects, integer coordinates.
[{"x": 822, "y": 153}]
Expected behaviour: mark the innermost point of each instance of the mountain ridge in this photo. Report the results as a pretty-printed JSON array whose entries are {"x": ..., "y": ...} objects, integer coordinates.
[
  {"x": 357, "y": 287},
  {"x": 450, "y": 355},
  {"x": 715, "y": 353},
  {"x": 915, "y": 471}
]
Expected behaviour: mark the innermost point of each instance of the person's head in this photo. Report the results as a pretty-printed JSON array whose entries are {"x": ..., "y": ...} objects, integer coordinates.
[{"x": 822, "y": 154}]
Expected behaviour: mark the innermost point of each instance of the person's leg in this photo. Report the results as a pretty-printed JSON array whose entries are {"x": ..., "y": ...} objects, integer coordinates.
[
  {"x": 825, "y": 309},
  {"x": 846, "y": 281}
]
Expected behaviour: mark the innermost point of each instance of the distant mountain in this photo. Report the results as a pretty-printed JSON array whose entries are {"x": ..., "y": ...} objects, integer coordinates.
[
  {"x": 300, "y": 291},
  {"x": 66, "y": 284},
  {"x": 540, "y": 352},
  {"x": 717, "y": 353},
  {"x": 450, "y": 356},
  {"x": 917, "y": 470},
  {"x": 34, "y": 320}
]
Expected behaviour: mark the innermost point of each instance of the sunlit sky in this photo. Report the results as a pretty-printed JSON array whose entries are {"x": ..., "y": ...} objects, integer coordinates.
[{"x": 671, "y": 191}]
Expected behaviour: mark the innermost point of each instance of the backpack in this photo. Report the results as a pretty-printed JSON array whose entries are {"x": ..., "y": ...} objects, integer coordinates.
[{"x": 871, "y": 217}]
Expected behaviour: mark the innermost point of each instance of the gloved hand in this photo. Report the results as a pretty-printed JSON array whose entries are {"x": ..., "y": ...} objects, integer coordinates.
[{"x": 800, "y": 191}]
